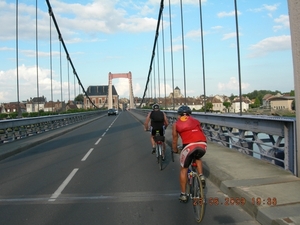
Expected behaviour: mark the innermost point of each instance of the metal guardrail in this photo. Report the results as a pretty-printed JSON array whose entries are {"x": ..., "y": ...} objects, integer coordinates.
[
  {"x": 13, "y": 129},
  {"x": 263, "y": 137}
]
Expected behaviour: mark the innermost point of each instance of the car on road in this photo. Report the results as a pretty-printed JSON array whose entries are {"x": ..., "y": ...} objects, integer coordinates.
[{"x": 111, "y": 112}]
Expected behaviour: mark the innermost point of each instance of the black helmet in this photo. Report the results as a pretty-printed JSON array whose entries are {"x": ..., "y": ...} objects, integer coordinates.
[
  {"x": 184, "y": 109},
  {"x": 155, "y": 106}
]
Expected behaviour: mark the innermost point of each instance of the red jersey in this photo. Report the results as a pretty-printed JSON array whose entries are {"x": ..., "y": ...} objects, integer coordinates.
[{"x": 189, "y": 130}]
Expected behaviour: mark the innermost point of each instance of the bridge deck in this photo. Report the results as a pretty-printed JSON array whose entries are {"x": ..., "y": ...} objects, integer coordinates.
[{"x": 271, "y": 194}]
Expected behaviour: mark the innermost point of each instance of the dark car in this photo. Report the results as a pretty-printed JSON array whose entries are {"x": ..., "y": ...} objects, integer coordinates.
[{"x": 111, "y": 112}]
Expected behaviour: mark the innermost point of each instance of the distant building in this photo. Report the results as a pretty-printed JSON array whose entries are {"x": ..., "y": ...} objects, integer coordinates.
[
  {"x": 281, "y": 102},
  {"x": 71, "y": 105},
  {"x": 98, "y": 95},
  {"x": 35, "y": 104},
  {"x": 236, "y": 105},
  {"x": 55, "y": 106},
  {"x": 13, "y": 107},
  {"x": 176, "y": 93}
]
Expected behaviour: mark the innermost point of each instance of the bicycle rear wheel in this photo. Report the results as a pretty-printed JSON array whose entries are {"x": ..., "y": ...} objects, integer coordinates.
[
  {"x": 198, "y": 199},
  {"x": 159, "y": 157}
]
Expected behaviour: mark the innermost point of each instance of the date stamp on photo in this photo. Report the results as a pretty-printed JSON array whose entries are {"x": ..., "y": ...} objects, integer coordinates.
[{"x": 240, "y": 201}]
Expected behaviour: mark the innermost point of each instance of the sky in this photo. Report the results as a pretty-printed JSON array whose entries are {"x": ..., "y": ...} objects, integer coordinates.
[{"x": 117, "y": 36}]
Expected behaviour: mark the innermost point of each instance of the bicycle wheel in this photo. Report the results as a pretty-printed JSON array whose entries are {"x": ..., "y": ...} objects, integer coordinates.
[
  {"x": 172, "y": 155},
  {"x": 160, "y": 156},
  {"x": 198, "y": 199}
]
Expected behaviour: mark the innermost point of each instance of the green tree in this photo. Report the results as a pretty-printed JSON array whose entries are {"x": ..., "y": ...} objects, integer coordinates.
[
  {"x": 232, "y": 97},
  {"x": 256, "y": 103},
  {"x": 208, "y": 106},
  {"x": 79, "y": 98},
  {"x": 227, "y": 105}
]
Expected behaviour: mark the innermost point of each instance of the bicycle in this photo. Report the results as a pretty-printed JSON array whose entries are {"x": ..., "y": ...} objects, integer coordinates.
[
  {"x": 159, "y": 141},
  {"x": 195, "y": 190}
]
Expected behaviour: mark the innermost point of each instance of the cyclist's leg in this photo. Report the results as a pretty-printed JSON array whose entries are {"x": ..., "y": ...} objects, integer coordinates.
[
  {"x": 185, "y": 161},
  {"x": 152, "y": 133},
  {"x": 200, "y": 171},
  {"x": 162, "y": 133},
  {"x": 199, "y": 166},
  {"x": 183, "y": 181}
]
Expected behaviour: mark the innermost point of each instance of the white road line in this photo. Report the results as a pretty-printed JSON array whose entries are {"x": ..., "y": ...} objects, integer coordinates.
[
  {"x": 62, "y": 186},
  {"x": 87, "y": 154},
  {"x": 97, "y": 142}
]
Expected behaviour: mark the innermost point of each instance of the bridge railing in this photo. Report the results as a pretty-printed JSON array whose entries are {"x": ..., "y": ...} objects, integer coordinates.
[
  {"x": 13, "y": 129},
  {"x": 263, "y": 137}
]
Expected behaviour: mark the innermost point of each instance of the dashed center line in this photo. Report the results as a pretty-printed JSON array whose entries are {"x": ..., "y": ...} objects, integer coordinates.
[{"x": 62, "y": 186}]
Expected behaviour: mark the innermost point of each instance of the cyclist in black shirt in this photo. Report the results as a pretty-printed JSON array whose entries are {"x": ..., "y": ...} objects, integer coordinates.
[{"x": 159, "y": 122}]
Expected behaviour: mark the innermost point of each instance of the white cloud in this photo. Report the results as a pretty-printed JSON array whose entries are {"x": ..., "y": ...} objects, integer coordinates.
[
  {"x": 28, "y": 84},
  {"x": 232, "y": 84},
  {"x": 265, "y": 7},
  {"x": 282, "y": 21},
  {"x": 271, "y": 44},
  {"x": 229, "y": 35},
  {"x": 226, "y": 14}
]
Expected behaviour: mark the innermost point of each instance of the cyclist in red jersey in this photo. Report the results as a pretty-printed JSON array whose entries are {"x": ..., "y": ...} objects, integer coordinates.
[{"x": 193, "y": 143}]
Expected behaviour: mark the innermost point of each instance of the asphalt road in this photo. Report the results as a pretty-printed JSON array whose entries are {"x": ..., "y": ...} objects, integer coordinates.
[{"x": 101, "y": 173}]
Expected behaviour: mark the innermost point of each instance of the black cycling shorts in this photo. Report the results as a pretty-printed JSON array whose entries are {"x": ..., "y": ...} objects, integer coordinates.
[{"x": 192, "y": 151}]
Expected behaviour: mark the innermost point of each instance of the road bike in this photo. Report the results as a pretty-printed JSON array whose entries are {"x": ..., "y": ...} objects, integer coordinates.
[
  {"x": 195, "y": 191},
  {"x": 159, "y": 142}
]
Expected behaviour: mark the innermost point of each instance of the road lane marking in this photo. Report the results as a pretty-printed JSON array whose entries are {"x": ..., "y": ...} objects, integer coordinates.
[
  {"x": 87, "y": 154},
  {"x": 62, "y": 186},
  {"x": 97, "y": 142}
]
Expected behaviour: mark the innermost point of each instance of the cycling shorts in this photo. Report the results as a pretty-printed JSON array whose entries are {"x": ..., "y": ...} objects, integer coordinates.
[
  {"x": 161, "y": 131},
  {"x": 193, "y": 150}
]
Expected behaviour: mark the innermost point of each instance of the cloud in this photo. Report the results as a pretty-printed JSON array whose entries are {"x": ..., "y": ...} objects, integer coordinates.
[
  {"x": 271, "y": 44},
  {"x": 104, "y": 16},
  {"x": 232, "y": 84},
  {"x": 123, "y": 88},
  {"x": 226, "y": 14},
  {"x": 229, "y": 35},
  {"x": 28, "y": 84},
  {"x": 265, "y": 7},
  {"x": 282, "y": 21}
]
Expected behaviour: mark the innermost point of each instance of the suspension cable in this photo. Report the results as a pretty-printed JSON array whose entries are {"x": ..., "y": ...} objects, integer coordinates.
[
  {"x": 52, "y": 103},
  {"x": 60, "y": 72},
  {"x": 164, "y": 62},
  {"x": 153, "y": 49},
  {"x": 238, "y": 54},
  {"x": 17, "y": 57},
  {"x": 202, "y": 48},
  {"x": 183, "y": 56},
  {"x": 67, "y": 53},
  {"x": 171, "y": 42},
  {"x": 37, "y": 55},
  {"x": 158, "y": 74}
]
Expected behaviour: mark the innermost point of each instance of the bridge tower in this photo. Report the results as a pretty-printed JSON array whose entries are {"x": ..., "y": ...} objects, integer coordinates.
[{"x": 120, "y": 75}]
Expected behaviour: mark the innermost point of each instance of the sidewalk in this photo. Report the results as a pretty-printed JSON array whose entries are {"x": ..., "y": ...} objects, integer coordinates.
[
  {"x": 242, "y": 176},
  {"x": 237, "y": 175}
]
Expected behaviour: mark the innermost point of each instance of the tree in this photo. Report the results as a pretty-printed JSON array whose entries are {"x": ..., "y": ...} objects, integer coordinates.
[
  {"x": 232, "y": 97},
  {"x": 256, "y": 103},
  {"x": 79, "y": 98},
  {"x": 227, "y": 105},
  {"x": 208, "y": 106}
]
